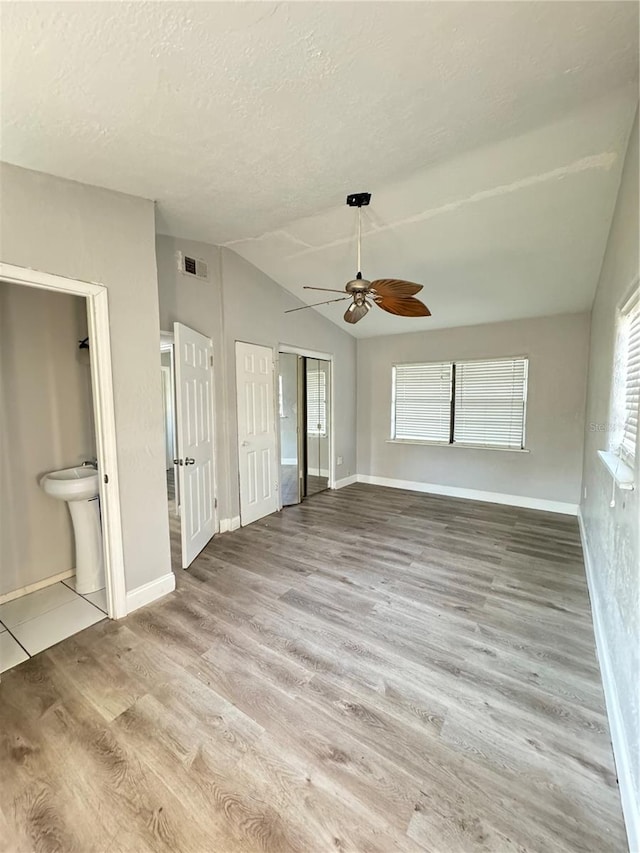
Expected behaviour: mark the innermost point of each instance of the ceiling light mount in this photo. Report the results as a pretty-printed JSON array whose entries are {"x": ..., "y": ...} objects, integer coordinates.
[{"x": 358, "y": 199}]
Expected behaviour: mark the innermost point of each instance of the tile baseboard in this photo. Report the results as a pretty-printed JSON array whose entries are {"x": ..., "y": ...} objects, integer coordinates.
[{"x": 34, "y": 587}]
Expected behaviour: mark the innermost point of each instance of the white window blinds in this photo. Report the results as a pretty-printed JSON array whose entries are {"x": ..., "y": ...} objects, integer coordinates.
[
  {"x": 631, "y": 333},
  {"x": 490, "y": 401},
  {"x": 421, "y": 404},
  {"x": 316, "y": 402}
]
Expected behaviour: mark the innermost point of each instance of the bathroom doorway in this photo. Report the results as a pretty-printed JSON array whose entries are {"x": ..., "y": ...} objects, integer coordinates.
[
  {"x": 62, "y": 566},
  {"x": 304, "y": 403}
]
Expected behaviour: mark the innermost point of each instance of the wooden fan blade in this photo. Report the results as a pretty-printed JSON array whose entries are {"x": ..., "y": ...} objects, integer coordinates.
[
  {"x": 355, "y": 312},
  {"x": 326, "y": 289},
  {"x": 394, "y": 287},
  {"x": 315, "y": 304},
  {"x": 404, "y": 306}
]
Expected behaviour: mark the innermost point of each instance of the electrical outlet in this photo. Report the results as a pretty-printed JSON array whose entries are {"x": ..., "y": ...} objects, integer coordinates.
[{"x": 340, "y": 460}]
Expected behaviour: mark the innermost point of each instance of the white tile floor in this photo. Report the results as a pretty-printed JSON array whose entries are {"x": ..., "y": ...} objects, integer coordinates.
[{"x": 35, "y": 622}]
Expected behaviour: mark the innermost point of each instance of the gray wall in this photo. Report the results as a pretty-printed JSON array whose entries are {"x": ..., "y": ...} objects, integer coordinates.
[
  {"x": 612, "y": 534},
  {"x": 46, "y": 423},
  {"x": 70, "y": 229},
  {"x": 557, "y": 350},
  {"x": 240, "y": 303}
]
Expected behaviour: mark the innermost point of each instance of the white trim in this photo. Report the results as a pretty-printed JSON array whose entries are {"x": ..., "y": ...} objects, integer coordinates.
[
  {"x": 429, "y": 442},
  {"x": 621, "y": 751},
  {"x": 151, "y": 591},
  {"x": 472, "y": 494},
  {"x": 622, "y": 473},
  {"x": 346, "y": 481},
  {"x": 102, "y": 385},
  {"x": 307, "y": 353},
  {"x": 34, "y": 587},
  {"x": 229, "y": 524}
]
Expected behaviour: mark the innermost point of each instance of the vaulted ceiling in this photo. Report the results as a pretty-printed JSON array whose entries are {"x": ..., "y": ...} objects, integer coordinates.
[{"x": 491, "y": 135}]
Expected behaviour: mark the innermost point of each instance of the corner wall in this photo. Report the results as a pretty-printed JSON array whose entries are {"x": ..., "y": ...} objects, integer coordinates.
[
  {"x": 611, "y": 536},
  {"x": 547, "y": 477},
  {"x": 83, "y": 232}
]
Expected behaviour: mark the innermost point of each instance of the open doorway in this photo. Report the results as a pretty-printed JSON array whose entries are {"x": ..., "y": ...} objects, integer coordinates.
[
  {"x": 304, "y": 402},
  {"x": 62, "y": 567}
]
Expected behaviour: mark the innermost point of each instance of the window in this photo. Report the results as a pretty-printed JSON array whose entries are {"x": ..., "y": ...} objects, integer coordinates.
[
  {"x": 316, "y": 402},
  {"x": 477, "y": 403},
  {"x": 490, "y": 402},
  {"x": 629, "y": 351},
  {"x": 422, "y": 402}
]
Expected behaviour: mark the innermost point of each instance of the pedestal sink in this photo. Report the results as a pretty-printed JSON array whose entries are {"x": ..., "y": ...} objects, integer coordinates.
[{"x": 79, "y": 488}]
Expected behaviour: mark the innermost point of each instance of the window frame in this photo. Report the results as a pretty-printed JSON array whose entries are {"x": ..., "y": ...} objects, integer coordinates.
[{"x": 451, "y": 442}]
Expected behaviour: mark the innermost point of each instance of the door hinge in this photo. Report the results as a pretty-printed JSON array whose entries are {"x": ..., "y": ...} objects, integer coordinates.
[
  {"x": 215, "y": 503},
  {"x": 211, "y": 360},
  {"x": 106, "y": 478}
]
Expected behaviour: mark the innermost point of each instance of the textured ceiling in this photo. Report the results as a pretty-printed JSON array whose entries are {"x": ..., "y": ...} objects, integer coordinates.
[{"x": 491, "y": 134}]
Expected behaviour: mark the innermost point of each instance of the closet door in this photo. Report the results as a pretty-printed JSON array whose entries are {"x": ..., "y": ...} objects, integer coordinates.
[{"x": 317, "y": 422}]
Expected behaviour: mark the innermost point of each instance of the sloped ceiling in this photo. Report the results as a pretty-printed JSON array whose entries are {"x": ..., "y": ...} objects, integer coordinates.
[{"x": 491, "y": 135}]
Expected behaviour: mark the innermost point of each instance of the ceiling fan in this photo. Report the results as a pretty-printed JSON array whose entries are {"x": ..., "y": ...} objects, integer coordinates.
[{"x": 391, "y": 294}]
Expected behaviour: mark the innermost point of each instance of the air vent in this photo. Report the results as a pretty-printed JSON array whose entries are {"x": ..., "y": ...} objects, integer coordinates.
[{"x": 192, "y": 266}]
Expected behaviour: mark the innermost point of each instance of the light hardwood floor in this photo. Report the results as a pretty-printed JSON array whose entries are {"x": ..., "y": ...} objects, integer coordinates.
[{"x": 373, "y": 670}]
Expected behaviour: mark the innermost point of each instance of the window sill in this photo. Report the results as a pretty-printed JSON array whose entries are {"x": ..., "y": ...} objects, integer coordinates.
[
  {"x": 457, "y": 444},
  {"x": 619, "y": 470}
]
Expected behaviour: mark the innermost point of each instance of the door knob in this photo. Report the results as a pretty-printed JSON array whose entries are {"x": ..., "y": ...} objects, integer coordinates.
[
  {"x": 177, "y": 461},
  {"x": 245, "y": 444},
  {"x": 189, "y": 461}
]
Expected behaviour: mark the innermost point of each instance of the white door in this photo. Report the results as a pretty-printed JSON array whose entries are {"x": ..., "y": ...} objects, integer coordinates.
[
  {"x": 257, "y": 440},
  {"x": 194, "y": 403}
]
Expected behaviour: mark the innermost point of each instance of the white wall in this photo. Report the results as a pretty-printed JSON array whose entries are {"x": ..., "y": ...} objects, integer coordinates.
[
  {"x": 240, "y": 303},
  {"x": 46, "y": 423},
  {"x": 612, "y": 534},
  {"x": 551, "y": 471},
  {"x": 66, "y": 228}
]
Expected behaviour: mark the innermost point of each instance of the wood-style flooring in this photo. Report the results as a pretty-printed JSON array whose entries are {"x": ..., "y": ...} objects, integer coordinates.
[{"x": 371, "y": 671}]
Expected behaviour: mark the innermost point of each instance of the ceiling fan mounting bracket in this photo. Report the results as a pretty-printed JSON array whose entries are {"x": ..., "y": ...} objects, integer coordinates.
[{"x": 358, "y": 199}]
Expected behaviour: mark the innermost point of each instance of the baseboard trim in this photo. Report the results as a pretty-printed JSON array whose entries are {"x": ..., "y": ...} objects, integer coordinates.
[
  {"x": 472, "y": 494},
  {"x": 621, "y": 751},
  {"x": 346, "y": 481},
  {"x": 229, "y": 524},
  {"x": 34, "y": 587},
  {"x": 151, "y": 591}
]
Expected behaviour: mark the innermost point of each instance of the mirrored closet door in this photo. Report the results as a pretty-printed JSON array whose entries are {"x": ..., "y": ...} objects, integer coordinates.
[{"x": 304, "y": 408}]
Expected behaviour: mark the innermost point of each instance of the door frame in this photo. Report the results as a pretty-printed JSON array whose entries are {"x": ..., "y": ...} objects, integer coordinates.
[
  {"x": 97, "y": 300},
  {"x": 324, "y": 356}
]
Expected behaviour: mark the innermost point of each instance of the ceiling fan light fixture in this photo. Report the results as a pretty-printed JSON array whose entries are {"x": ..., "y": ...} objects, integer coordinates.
[{"x": 393, "y": 295}]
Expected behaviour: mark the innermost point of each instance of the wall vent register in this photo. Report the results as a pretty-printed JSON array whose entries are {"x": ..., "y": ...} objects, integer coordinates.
[
  {"x": 468, "y": 403},
  {"x": 192, "y": 266}
]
